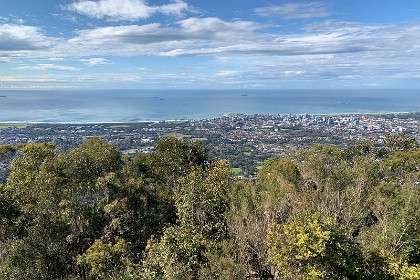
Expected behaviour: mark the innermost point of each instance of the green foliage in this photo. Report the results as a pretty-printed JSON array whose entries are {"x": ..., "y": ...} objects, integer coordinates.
[
  {"x": 281, "y": 170},
  {"x": 142, "y": 202},
  {"x": 201, "y": 202},
  {"x": 400, "y": 163},
  {"x": 403, "y": 271},
  {"x": 6, "y": 150},
  {"x": 313, "y": 248},
  {"x": 222, "y": 264},
  {"x": 134, "y": 211},
  {"x": 9, "y": 212},
  {"x": 174, "y": 157},
  {"x": 22, "y": 181},
  {"x": 398, "y": 217},
  {"x": 399, "y": 142},
  {"x": 277, "y": 179},
  {"x": 104, "y": 258},
  {"x": 247, "y": 225},
  {"x": 323, "y": 213},
  {"x": 178, "y": 255},
  {"x": 300, "y": 241}
]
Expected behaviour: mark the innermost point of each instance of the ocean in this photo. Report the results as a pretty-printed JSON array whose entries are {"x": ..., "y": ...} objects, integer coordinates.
[{"x": 99, "y": 106}]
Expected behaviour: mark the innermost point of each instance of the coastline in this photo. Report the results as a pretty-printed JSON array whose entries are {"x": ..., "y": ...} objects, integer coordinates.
[{"x": 376, "y": 114}]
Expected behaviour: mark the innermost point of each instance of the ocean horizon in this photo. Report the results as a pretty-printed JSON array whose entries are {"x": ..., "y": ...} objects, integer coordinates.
[{"x": 116, "y": 106}]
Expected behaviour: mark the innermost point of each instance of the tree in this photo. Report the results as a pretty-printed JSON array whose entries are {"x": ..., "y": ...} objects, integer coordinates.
[
  {"x": 201, "y": 201},
  {"x": 400, "y": 142},
  {"x": 34, "y": 246},
  {"x": 313, "y": 248},
  {"x": 104, "y": 259},
  {"x": 142, "y": 200},
  {"x": 81, "y": 173},
  {"x": 58, "y": 197}
]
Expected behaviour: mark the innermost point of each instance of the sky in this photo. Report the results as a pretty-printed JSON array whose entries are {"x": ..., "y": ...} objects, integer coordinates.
[{"x": 203, "y": 44}]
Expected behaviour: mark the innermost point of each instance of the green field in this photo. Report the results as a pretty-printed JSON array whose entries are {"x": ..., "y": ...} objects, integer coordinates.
[
  {"x": 119, "y": 126},
  {"x": 236, "y": 171},
  {"x": 179, "y": 135},
  {"x": 20, "y": 125},
  {"x": 177, "y": 121}
]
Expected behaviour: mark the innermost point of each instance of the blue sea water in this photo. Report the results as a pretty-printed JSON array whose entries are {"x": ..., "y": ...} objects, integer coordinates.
[{"x": 90, "y": 106}]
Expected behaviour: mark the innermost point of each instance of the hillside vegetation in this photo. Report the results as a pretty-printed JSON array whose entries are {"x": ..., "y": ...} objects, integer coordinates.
[{"x": 322, "y": 213}]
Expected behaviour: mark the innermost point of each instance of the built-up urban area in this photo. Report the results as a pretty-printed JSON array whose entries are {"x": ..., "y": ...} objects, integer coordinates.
[{"x": 246, "y": 140}]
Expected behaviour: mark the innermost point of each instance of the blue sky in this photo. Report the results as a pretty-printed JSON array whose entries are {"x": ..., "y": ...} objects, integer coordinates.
[{"x": 185, "y": 44}]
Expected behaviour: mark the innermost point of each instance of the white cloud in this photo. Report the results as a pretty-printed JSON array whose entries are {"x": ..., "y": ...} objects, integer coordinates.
[
  {"x": 214, "y": 25},
  {"x": 130, "y": 10},
  {"x": 95, "y": 61},
  {"x": 344, "y": 45},
  {"x": 12, "y": 19},
  {"x": 27, "y": 79},
  {"x": 289, "y": 73},
  {"x": 227, "y": 73},
  {"x": 36, "y": 81},
  {"x": 20, "y": 38},
  {"x": 407, "y": 75},
  {"x": 177, "y": 8},
  {"x": 5, "y": 60},
  {"x": 48, "y": 67},
  {"x": 130, "y": 79},
  {"x": 324, "y": 51},
  {"x": 154, "y": 39},
  {"x": 136, "y": 34},
  {"x": 56, "y": 59},
  {"x": 205, "y": 29},
  {"x": 295, "y": 10}
]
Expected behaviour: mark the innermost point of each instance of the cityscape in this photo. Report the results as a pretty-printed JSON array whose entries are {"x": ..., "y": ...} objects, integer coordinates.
[{"x": 245, "y": 140}]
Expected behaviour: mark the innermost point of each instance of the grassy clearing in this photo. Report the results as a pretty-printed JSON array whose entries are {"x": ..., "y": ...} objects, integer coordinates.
[
  {"x": 179, "y": 135},
  {"x": 199, "y": 139},
  {"x": 236, "y": 170},
  {"x": 177, "y": 121},
  {"x": 119, "y": 126},
  {"x": 20, "y": 125},
  {"x": 260, "y": 165}
]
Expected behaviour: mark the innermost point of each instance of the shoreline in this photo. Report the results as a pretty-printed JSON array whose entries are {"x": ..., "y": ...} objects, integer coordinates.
[{"x": 192, "y": 120}]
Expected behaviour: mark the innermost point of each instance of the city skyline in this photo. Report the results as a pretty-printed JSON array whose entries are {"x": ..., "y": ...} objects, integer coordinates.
[{"x": 136, "y": 44}]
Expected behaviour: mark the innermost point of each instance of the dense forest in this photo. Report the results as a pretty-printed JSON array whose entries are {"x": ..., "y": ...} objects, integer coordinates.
[{"x": 322, "y": 213}]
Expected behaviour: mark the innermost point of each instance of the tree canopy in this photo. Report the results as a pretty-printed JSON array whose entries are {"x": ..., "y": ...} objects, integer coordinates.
[{"x": 321, "y": 213}]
